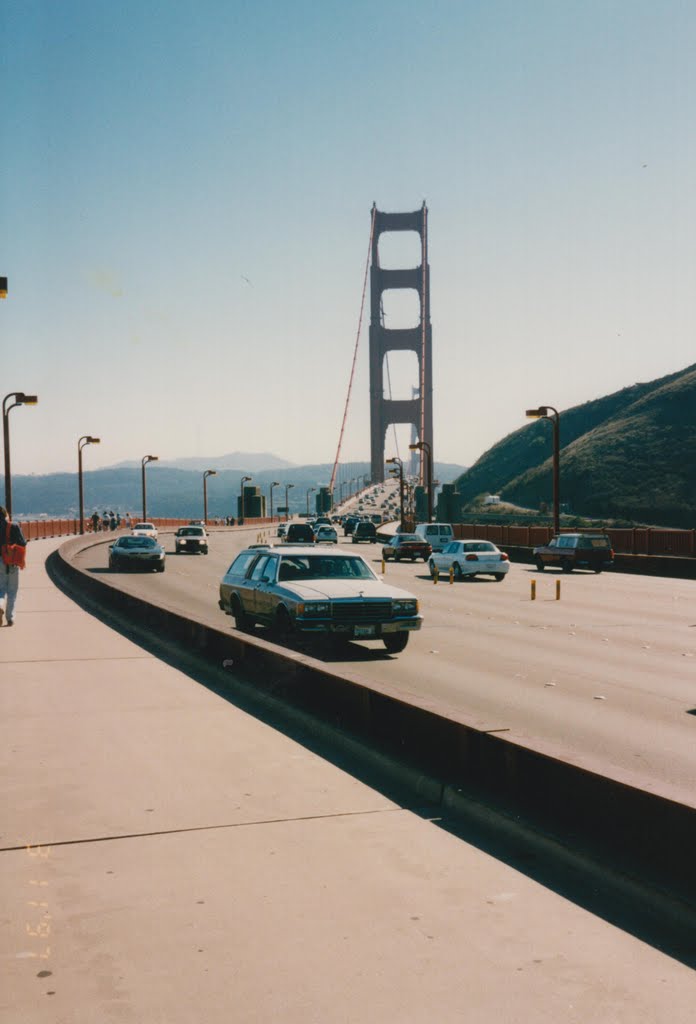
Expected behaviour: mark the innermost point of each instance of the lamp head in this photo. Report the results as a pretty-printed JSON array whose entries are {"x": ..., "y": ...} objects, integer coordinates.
[
  {"x": 276, "y": 483},
  {"x": 536, "y": 414},
  {"x": 93, "y": 440},
  {"x": 211, "y": 472},
  {"x": 416, "y": 447},
  {"x": 23, "y": 399}
]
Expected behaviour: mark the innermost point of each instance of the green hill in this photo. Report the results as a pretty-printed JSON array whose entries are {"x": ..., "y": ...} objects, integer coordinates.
[{"x": 629, "y": 455}]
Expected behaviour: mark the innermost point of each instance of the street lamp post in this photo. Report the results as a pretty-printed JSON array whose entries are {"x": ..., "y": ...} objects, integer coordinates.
[
  {"x": 309, "y": 491},
  {"x": 287, "y": 506},
  {"x": 399, "y": 464},
  {"x": 82, "y": 443},
  {"x": 547, "y": 412},
  {"x": 206, "y": 474},
  {"x": 423, "y": 446},
  {"x": 276, "y": 483},
  {"x": 241, "y": 499},
  {"x": 19, "y": 399},
  {"x": 143, "y": 463}
]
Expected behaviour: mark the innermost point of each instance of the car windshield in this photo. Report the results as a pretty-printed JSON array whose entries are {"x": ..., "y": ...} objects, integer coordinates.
[
  {"x": 190, "y": 531},
  {"x": 137, "y": 542},
  {"x": 322, "y": 567},
  {"x": 408, "y": 538},
  {"x": 143, "y": 526}
]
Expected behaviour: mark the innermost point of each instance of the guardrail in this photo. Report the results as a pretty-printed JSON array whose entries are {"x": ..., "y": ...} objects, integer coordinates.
[
  {"x": 639, "y": 540},
  {"x": 41, "y": 529},
  {"x": 636, "y": 541}
]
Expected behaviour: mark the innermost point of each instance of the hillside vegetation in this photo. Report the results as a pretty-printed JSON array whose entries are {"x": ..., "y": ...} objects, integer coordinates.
[{"x": 629, "y": 455}]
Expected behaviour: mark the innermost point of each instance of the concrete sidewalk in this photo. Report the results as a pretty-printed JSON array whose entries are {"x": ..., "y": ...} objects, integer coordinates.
[{"x": 168, "y": 858}]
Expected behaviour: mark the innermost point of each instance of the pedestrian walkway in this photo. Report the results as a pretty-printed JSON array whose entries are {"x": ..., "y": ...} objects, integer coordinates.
[{"x": 168, "y": 858}]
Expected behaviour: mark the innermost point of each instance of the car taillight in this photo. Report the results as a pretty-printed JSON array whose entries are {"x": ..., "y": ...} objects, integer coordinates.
[
  {"x": 471, "y": 558},
  {"x": 504, "y": 557},
  {"x": 611, "y": 552}
]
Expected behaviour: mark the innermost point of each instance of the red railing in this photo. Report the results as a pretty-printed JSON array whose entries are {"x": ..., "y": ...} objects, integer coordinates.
[
  {"x": 41, "y": 529},
  {"x": 636, "y": 541}
]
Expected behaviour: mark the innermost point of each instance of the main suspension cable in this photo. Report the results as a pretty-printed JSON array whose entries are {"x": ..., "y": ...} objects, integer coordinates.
[{"x": 355, "y": 350}]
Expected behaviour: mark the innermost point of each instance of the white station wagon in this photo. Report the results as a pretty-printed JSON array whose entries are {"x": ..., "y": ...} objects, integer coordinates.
[{"x": 299, "y": 591}]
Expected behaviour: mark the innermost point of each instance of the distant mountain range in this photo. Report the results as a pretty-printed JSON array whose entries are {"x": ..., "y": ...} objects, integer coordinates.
[
  {"x": 245, "y": 462},
  {"x": 629, "y": 455},
  {"x": 175, "y": 492}
]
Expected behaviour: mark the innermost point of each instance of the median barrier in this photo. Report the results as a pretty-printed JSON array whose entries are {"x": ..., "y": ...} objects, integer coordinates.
[{"x": 650, "y": 835}]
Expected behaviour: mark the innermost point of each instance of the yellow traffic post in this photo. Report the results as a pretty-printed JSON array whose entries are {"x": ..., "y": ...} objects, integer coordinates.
[
  {"x": 451, "y": 574},
  {"x": 558, "y": 590},
  {"x": 532, "y": 596},
  {"x": 384, "y": 565},
  {"x": 436, "y": 574}
]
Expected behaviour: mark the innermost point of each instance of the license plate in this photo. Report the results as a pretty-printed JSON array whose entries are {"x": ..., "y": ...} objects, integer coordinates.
[{"x": 365, "y": 631}]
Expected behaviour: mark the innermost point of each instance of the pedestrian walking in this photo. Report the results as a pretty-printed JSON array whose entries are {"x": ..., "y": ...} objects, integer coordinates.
[{"x": 13, "y": 552}]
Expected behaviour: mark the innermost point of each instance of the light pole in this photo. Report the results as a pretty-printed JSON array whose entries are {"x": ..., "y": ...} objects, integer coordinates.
[
  {"x": 423, "y": 446},
  {"x": 82, "y": 443},
  {"x": 547, "y": 412},
  {"x": 399, "y": 464},
  {"x": 309, "y": 491},
  {"x": 206, "y": 474},
  {"x": 288, "y": 486},
  {"x": 143, "y": 463},
  {"x": 241, "y": 499},
  {"x": 276, "y": 483},
  {"x": 19, "y": 399}
]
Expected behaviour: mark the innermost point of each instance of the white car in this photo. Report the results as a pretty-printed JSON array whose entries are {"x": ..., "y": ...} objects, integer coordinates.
[
  {"x": 325, "y": 535},
  {"x": 469, "y": 558},
  {"x": 145, "y": 530}
]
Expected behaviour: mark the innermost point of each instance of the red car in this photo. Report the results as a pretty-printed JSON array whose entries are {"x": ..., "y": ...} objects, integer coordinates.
[{"x": 406, "y": 545}]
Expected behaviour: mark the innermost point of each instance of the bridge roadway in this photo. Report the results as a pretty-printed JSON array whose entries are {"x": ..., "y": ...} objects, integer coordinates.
[
  {"x": 606, "y": 676},
  {"x": 167, "y": 856}
]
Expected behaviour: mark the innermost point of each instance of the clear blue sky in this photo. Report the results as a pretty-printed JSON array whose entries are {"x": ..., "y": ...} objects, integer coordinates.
[{"x": 185, "y": 193}]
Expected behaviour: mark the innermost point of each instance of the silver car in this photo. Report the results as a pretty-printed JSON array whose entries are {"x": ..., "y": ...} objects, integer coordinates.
[
  {"x": 302, "y": 591},
  {"x": 136, "y": 553}
]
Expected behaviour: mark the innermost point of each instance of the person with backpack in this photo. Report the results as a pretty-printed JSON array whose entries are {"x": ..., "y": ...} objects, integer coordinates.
[{"x": 12, "y": 558}]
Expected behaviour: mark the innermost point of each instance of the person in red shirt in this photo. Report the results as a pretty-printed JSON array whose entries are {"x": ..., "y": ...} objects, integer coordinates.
[{"x": 10, "y": 533}]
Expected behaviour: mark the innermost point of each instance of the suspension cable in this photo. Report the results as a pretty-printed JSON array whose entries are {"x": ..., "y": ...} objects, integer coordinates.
[
  {"x": 386, "y": 363},
  {"x": 424, "y": 286},
  {"x": 355, "y": 351}
]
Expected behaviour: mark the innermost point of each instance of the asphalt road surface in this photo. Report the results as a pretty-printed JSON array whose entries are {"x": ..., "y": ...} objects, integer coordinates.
[{"x": 605, "y": 676}]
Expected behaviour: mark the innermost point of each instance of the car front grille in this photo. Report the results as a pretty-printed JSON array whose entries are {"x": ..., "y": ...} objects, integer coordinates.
[{"x": 361, "y": 610}]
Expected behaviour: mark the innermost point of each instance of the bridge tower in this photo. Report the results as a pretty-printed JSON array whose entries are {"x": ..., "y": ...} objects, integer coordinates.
[{"x": 418, "y": 410}]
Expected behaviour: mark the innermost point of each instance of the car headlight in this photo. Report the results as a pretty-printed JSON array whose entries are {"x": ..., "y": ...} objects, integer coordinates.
[
  {"x": 408, "y": 606},
  {"x": 314, "y": 608}
]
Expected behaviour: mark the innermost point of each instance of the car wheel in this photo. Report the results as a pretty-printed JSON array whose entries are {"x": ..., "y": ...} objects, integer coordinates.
[
  {"x": 426, "y": 557},
  {"x": 395, "y": 642},
  {"x": 431, "y": 566},
  {"x": 397, "y": 558},
  {"x": 540, "y": 565},
  {"x": 598, "y": 569},
  {"x": 205, "y": 551},
  {"x": 241, "y": 620},
  {"x": 159, "y": 568},
  {"x": 283, "y": 623},
  {"x": 457, "y": 571},
  {"x": 498, "y": 577},
  {"x": 567, "y": 565}
]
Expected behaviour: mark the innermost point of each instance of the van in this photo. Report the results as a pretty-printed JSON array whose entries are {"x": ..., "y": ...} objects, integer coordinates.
[{"x": 437, "y": 535}]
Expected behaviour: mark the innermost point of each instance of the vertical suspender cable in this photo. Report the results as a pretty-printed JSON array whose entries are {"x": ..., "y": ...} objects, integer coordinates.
[
  {"x": 424, "y": 286},
  {"x": 355, "y": 351}
]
